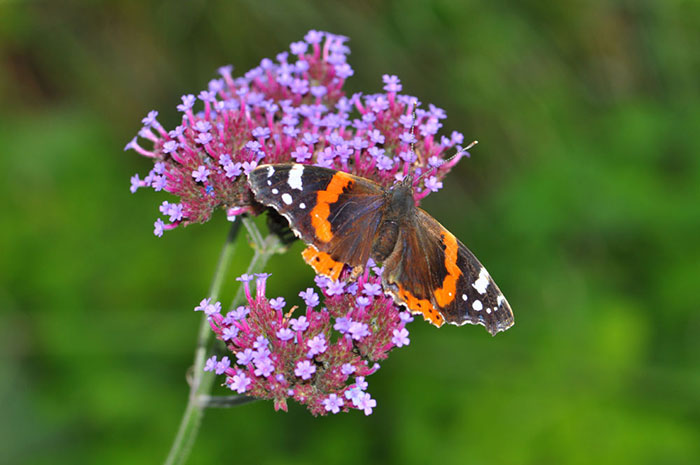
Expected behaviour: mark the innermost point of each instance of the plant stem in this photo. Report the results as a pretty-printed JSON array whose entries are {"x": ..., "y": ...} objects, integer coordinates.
[
  {"x": 203, "y": 381},
  {"x": 225, "y": 401}
]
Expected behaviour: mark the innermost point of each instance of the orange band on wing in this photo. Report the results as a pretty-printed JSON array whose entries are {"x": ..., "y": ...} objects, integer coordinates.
[
  {"x": 446, "y": 294},
  {"x": 322, "y": 263},
  {"x": 423, "y": 306},
  {"x": 324, "y": 199}
]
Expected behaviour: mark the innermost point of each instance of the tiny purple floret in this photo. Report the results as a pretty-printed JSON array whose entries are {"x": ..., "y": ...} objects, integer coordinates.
[
  {"x": 317, "y": 345},
  {"x": 305, "y": 369},
  {"x": 400, "y": 337},
  {"x": 333, "y": 403},
  {"x": 240, "y": 383}
]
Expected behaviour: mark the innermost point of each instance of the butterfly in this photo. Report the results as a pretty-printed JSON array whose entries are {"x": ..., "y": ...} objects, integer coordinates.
[{"x": 346, "y": 219}]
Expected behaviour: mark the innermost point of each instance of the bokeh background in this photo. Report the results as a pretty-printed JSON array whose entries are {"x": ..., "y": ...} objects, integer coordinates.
[{"x": 583, "y": 200}]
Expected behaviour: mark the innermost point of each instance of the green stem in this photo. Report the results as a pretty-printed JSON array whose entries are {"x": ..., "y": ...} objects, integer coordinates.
[
  {"x": 225, "y": 401},
  {"x": 264, "y": 249},
  {"x": 203, "y": 381}
]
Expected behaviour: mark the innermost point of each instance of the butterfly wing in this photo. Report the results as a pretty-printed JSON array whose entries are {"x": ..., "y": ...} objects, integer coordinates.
[
  {"x": 336, "y": 212},
  {"x": 433, "y": 273}
]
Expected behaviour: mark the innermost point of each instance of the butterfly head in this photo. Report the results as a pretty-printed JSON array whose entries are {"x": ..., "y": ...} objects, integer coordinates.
[{"x": 401, "y": 201}]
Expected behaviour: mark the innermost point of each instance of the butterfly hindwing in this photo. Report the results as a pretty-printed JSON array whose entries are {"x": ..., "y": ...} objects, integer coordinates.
[
  {"x": 436, "y": 275},
  {"x": 412, "y": 270}
]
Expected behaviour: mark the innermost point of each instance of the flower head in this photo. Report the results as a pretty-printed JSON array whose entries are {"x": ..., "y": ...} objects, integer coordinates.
[
  {"x": 311, "y": 357},
  {"x": 292, "y": 109}
]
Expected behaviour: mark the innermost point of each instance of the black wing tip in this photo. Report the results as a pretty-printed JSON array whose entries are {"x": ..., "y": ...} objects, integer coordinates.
[
  {"x": 500, "y": 327},
  {"x": 501, "y": 324}
]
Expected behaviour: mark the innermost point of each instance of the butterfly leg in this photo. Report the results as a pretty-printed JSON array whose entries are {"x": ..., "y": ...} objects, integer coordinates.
[{"x": 356, "y": 272}]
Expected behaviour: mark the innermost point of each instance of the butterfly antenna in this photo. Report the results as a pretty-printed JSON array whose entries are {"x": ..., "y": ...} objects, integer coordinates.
[
  {"x": 460, "y": 151},
  {"x": 408, "y": 178},
  {"x": 413, "y": 132},
  {"x": 413, "y": 129}
]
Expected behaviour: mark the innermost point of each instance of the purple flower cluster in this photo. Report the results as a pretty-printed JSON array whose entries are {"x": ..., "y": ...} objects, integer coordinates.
[
  {"x": 292, "y": 108},
  {"x": 319, "y": 357}
]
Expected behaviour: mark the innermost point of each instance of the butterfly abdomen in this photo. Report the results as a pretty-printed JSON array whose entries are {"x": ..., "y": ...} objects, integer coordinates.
[
  {"x": 398, "y": 210},
  {"x": 385, "y": 240}
]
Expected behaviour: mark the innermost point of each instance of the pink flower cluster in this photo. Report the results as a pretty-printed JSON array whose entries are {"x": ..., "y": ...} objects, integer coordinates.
[
  {"x": 320, "y": 356},
  {"x": 289, "y": 109}
]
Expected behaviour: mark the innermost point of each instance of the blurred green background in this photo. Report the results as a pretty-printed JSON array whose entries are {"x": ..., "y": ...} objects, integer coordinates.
[{"x": 583, "y": 200}]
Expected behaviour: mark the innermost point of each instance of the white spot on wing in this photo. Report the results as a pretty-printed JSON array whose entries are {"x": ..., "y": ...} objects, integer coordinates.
[
  {"x": 302, "y": 205},
  {"x": 477, "y": 305},
  {"x": 269, "y": 183},
  {"x": 270, "y": 171},
  {"x": 483, "y": 282},
  {"x": 464, "y": 297},
  {"x": 275, "y": 191},
  {"x": 294, "y": 180},
  {"x": 500, "y": 299},
  {"x": 286, "y": 198},
  {"x": 488, "y": 310}
]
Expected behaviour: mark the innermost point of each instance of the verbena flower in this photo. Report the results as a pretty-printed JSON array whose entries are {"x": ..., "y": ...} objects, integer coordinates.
[
  {"x": 294, "y": 109},
  {"x": 289, "y": 109},
  {"x": 312, "y": 355}
]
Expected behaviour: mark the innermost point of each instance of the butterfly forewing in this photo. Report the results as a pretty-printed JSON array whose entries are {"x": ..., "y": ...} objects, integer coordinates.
[
  {"x": 478, "y": 300},
  {"x": 334, "y": 211}
]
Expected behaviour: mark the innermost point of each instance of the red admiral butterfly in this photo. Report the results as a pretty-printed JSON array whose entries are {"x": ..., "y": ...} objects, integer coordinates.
[{"x": 347, "y": 219}]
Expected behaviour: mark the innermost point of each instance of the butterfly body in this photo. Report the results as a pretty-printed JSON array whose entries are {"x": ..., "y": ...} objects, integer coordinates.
[
  {"x": 348, "y": 219},
  {"x": 399, "y": 209}
]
